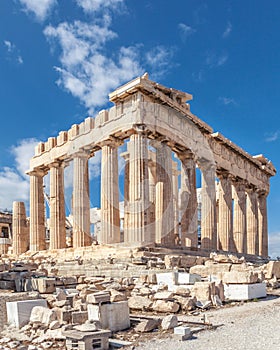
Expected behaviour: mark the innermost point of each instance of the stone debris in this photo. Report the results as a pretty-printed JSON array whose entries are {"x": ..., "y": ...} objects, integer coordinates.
[
  {"x": 84, "y": 304},
  {"x": 169, "y": 322},
  {"x": 147, "y": 325},
  {"x": 182, "y": 333}
]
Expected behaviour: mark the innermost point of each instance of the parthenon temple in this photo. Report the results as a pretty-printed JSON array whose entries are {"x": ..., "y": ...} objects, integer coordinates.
[{"x": 164, "y": 148}]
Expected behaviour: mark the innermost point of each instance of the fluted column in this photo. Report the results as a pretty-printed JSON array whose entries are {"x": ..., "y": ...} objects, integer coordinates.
[
  {"x": 262, "y": 224},
  {"x": 152, "y": 191},
  {"x": 20, "y": 229},
  {"x": 110, "y": 213},
  {"x": 37, "y": 212},
  {"x": 138, "y": 219},
  {"x": 175, "y": 191},
  {"x": 57, "y": 207},
  {"x": 239, "y": 216},
  {"x": 208, "y": 209},
  {"x": 81, "y": 214},
  {"x": 225, "y": 238},
  {"x": 189, "y": 224},
  {"x": 125, "y": 155},
  {"x": 164, "y": 214},
  {"x": 252, "y": 222}
]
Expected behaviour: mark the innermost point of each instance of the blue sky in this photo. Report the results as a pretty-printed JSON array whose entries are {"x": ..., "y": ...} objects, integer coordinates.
[{"x": 59, "y": 59}]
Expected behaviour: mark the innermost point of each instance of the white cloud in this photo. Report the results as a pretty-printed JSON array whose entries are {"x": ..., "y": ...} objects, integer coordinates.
[
  {"x": 14, "y": 183},
  {"x": 13, "y": 53},
  {"x": 22, "y": 153},
  {"x": 185, "y": 30},
  {"x": 227, "y": 101},
  {"x": 214, "y": 60},
  {"x": 40, "y": 8},
  {"x": 20, "y": 60},
  {"x": 10, "y": 47},
  {"x": 274, "y": 244},
  {"x": 272, "y": 136},
  {"x": 97, "y": 5},
  {"x": 227, "y": 31},
  {"x": 88, "y": 71},
  {"x": 159, "y": 59}
]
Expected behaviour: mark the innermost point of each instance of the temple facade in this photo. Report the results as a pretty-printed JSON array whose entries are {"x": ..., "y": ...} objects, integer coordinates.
[{"x": 166, "y": 147}]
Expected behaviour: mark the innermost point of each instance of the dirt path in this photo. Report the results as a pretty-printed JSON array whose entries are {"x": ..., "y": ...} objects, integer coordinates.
[{"x": 251, "y": 326}]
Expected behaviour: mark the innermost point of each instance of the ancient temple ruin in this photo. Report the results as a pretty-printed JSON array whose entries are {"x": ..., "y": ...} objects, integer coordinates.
[{"x": 160, "y": 131}]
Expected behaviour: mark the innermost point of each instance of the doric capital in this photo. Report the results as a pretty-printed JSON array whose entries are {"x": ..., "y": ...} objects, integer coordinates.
[
  {"x": 185, "y": 156},
  {"x": 57, "y": 164},
  {"x": 37, "y": 172},
  {"x": 225, "y": 174},
  {"x": 112, "y": 141},
  {"x": 81, "y": 153}
]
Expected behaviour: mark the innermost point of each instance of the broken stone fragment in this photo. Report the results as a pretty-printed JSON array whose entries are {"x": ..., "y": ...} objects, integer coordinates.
[
  {"x": 42, "y": 315},
  {"x": 182, "y": 291},
  {"x": 240, "y": 277},
  {"x": 169, "y": 322},
  {"x": 203, "y": 290},
  {"x": 272, "y": 269},
  {"x": 140, "y": 303},
  {"x": 99, "y": 297},
  {"x": 54, "y": 325},
  {"x": 166, "y": 295},
  {"x": 186, "y": 303},
  {"x": 171, "y": 261},
  {"x": 79, "y": 317},
  {"x": 182, "y": 333},
  {"x": 147, "y": 325},
  {"x": 117, "y": 296},
  {"x": 165, "y": 306}
]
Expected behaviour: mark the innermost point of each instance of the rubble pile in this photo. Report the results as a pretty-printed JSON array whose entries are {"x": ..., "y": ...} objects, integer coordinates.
[{"x": 69, "y": 306}]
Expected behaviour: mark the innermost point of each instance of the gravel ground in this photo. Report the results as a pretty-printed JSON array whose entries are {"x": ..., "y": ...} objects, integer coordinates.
[{"x": 254, "y": 325}]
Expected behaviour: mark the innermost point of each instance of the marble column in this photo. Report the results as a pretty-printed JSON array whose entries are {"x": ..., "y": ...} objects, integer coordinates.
[
  {"x": 110, "y": 213},
  {"x": 239, "y": 216},
  {"x": 164, "y": 213},
  {"x": 125, "y": 155},
  {"x": 81, "y": 206},
  {"x": 252, "y": 222},
  {"x": 37, "y": 212},
  {"x": 57, "y": 207},
  {"x": 225, "y": 238},
  {"x": 175, "y": 191},
  {"x": 138, "y": 207},
  {"x": 20, "y": 229},
  {"x": 262, "y": 224},
  {"x": 189, "y": 218},
  {"x": 152, "y": 191},
  {"x": 208, "y": 208}
]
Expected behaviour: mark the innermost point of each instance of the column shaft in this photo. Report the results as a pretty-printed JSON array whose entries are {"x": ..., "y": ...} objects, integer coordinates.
[
  {"x": 262, "y": 223},
  {"x": 239, "y": 217},
  {"x": 57, "y": 207},
  {"x": 110, "y": 214},
  {"x": 138, "y": 219},
  {"x": 208, "y": 209},
  {"x": 189, "y": 218},
  {"x": 20, "y": 229},
  {"x": 175, "y": 192},
  {"x": 81, "y": 207},
  {"x": 37, "y": 212},
  {"x": 252, "y": 222},
  {"x": 164, "y": 214},
  {"x": 125, "y": 155},
  {"x": 225, "y": 214}
]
